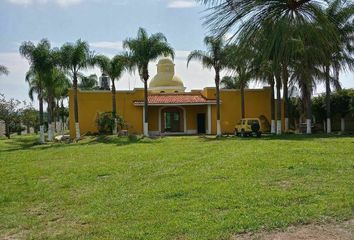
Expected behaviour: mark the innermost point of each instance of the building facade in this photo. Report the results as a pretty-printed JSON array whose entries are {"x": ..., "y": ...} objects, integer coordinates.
[{"x": 171, "y": 110}]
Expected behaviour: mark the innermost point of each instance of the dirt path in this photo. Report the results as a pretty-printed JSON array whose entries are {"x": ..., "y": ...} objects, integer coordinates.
[{"x": 329, "y": 231}]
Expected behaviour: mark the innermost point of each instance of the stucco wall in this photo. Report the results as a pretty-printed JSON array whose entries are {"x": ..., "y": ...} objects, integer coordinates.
[
  {"x": 257, "y": 103},
  {"x": 92, "y": 102}
]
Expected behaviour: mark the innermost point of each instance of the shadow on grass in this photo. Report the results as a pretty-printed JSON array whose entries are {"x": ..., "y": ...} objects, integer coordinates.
[
  {"x": 119, "y": 141},
  {"x": 31, "y": 143},
  {"x": 284, "y": 137}
]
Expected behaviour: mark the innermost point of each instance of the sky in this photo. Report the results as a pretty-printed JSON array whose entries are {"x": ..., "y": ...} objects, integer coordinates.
[{"x": 104, "y": 24}]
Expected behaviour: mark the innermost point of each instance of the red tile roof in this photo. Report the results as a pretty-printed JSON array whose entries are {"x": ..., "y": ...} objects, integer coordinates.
[{"x": 176, "y": 99}]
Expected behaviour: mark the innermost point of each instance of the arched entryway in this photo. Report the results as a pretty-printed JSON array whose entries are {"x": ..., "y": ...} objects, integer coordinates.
[{"x": 172, "y": 119}]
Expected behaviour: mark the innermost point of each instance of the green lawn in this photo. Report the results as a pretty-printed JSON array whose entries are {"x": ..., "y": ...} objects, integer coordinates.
[{"x": 172, "y": 188}]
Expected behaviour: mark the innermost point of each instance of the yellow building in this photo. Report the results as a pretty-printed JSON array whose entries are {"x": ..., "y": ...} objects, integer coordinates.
[{"x": 171, "y": 109}]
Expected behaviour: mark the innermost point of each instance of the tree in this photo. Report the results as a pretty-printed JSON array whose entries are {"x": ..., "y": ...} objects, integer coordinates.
[
  {"x": 88, "y": 82},
  {"x": 285, "y": 23},
  {"x": 340, "y": 14},
  {"x": 142, "y": 50},
  {"x": 60, "y": 94},
  {"x": 239, "y": 61},
  {"x": 9, "y": 112},
  {"x": 29, "y": 117},
  {"x": 215, "y": 57},
  {"x": 54, "y": 84},
  {"x": 74, "y": 58},
  {"x": 305, "y": 72},
  {"x": 341, "y": 104},
  {"x": 229, "y": 82},
  {"x": 3, "y": 70},
  {"x": 114, "y": 68},
  {"x": 319, "y": 109},
  {"x": 41, "y": 64}
]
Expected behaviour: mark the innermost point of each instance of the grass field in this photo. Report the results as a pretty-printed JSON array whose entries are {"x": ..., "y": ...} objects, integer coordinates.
[{"x": 172, "y": 188}]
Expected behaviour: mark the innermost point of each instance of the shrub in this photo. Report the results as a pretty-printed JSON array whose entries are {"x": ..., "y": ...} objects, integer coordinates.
[{"x": 105, "y": 122}]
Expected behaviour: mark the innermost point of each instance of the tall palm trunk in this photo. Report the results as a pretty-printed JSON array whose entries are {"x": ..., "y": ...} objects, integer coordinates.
[
  {"x": 76, "y": 108},
  {"x": 114, "y": 108},
  {"x": 242, "y": 90},
  {"x": 308, "y": 111},
  {"x": 50, "y": 116},
  {"x": 286, "y": 97},
  {"x": 41, "y": 118},
  {"x": 328, "y": 100},
  {"x": 62, "y": 117},
  {"x": 272, "y": 104},
  {"x": 57, "y": 117},
  {"x": 279, "y": 108},
  {"x": 146, "y": 104},
  {"x": 217, "y": 84}
]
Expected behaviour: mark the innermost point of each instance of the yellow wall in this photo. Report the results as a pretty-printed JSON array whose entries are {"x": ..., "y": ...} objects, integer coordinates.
[
  {"x": 257, "y": 103},
  {"x": 93, "y": 102}
]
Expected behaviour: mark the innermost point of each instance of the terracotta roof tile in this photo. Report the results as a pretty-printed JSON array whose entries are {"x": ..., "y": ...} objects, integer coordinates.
[{"x": 176, "y": 99}]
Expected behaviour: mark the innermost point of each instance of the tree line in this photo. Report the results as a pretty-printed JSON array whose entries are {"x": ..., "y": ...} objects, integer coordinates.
[
  {"x": 54, "y": 70},
  {"x": 286, "y": 44},
  {"x": 20, "y": 116}
]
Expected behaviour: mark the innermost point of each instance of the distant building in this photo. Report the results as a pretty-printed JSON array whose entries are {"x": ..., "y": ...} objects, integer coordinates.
[
  {"x": 171, "y": 109},
  {"x": 104, "y": 82}
]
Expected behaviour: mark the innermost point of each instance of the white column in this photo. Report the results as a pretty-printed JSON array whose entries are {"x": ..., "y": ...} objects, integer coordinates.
[
  {"x": 218, "y": 128},
  {"x": 342, "y": 124},
  {"x": 272, "y": 130},
  {"x": 115, "y": 127},
  {"x": 308, "y": 126},
  {"x": 145, "y": 125},
  {"x": 50, "y": 132},
  {"x": 185, "y": 120},
  {"x": 329, "y": 127},
  {"x": 41, "y": 134},
  {"x": 77, "y": 130},
  {"x": 209, "y": 119},
  {"x": 278, "y": 127}
]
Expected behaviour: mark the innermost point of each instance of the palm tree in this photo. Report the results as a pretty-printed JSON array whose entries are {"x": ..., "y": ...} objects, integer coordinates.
[
  {"x": 3, "y": 70},
  {"x": 88, "y": 82},
  {"x": 142, "y": 50},
  {"x": 60, "y": 94},
  {"x": 306, "y": 71},
  {"x": 284, "y": 23},
  {"x": 74, "y": 58},
  {"x": 215, "y": 57},
  {"x": 232, "y": 82},
  {"x": 340, "y": 14},
  {"x": 41, "y": 64},
  {"x": 239, "y": 61},
  {"x": 36, "y": 86},
  {"x": 53, "y": 85},
  {"x": 114, "y": 68}
]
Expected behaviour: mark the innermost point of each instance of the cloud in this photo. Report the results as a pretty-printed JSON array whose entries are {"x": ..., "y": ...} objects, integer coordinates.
[
  {"x": 62, "y": 3},
  {"x": 182, "y": 4},
  {"x": 107, "y": 45}
]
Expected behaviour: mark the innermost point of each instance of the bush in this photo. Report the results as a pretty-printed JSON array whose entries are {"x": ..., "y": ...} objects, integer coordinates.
[{"x": 105, "y": 123}]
